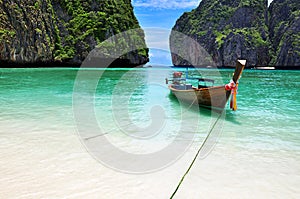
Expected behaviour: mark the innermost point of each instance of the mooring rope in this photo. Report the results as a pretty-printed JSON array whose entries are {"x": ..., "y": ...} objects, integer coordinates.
[
  {"x": 107, "y": 132},
  {"x": 197, "y": 154}
]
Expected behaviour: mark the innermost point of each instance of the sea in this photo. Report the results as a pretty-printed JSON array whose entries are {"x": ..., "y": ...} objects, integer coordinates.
[{"x": 119, "y": 133}]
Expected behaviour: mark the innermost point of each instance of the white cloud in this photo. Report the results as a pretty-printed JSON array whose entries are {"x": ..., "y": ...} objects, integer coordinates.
[{"x": 166, "y": 4}]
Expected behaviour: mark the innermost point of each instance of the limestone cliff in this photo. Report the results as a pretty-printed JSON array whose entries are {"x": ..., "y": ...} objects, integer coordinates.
[
  {"x": 60, "y": 31},
  {"x": 284, "y": 26},
  {"x": 232, "y": 29},
  {"x": 228, "y": 30}
]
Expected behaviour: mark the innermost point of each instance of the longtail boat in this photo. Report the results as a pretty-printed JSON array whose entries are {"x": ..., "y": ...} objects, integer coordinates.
[{"x": 213, "y": 97}]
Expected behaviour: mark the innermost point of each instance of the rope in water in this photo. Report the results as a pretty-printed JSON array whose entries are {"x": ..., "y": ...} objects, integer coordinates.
[
  {"x": 196, "y": 156},
  {"x": 107, "y": 132},
  {"x": 198, "y": 152}
]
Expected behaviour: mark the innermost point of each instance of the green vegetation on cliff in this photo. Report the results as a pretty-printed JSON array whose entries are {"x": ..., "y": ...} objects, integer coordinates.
[
  {"x": 63, "y": 30},
  {"x": 228, "y": 29},
  {"x": 248, "y": 29},
  {"x": 284, "y": 27},
  {"x": 115, "y": 16}
]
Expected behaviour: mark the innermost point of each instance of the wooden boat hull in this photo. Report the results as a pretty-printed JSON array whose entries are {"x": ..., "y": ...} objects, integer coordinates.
[{"x": 214, "y": 97}]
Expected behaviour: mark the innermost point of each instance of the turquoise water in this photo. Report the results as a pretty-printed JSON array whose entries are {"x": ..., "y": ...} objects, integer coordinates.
[{"x": 39, "y": 126}]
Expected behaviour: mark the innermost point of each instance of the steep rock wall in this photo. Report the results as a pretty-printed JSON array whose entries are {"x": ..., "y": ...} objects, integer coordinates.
[
  {"x": 284, "y": 26},
  {"x": 232, "y": 29},
  {"x": 59, "y": 31},
  {"x": 227, "y": 30}
]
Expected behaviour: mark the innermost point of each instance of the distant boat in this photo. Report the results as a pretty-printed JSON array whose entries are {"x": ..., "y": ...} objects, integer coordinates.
[
  {"x": 213, "y": 97},
  {"x": 264, "y": 68}
]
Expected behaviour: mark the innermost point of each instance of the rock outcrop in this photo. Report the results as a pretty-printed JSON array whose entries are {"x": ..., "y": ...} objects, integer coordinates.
[
  {"x": 237, "y": 29},
  {"x": 284, "y": 26},
  {"x": 36, "y": 32}
]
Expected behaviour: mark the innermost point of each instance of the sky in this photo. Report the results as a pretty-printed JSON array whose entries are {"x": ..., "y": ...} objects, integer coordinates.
[{"x": 157, "y": 17}]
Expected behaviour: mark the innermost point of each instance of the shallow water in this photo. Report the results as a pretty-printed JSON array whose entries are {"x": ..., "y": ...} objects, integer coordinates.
[{"x": 50, "y": 148}]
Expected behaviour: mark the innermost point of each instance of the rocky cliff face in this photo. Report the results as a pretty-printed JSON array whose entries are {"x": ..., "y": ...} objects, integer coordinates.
[
  {"x": 239, "y": 29},
  {"x": 228, "y": 30},
  {"x": 27, "y": 32},
  {"x": 59, "y": 31},
  {"x": 284, "y": 26}
]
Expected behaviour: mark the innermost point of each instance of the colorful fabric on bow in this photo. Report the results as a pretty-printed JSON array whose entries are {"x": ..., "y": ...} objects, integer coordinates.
[{"x": 233, "y": 88}]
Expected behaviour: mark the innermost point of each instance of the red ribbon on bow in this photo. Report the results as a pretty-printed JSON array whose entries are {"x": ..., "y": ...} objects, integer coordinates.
[{"x": 233, "y": 88}]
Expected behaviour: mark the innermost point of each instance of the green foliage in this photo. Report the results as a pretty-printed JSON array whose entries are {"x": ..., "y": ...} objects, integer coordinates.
[
  {"x": 87, "y": 24},
  {"x": 220, "y": 18},
  {"x": 251, "y": 3},
  {"x": 143, "y": 52},
  {"x": 245, "y": 3},
  {"x": 74, "y": 27},
  {"x": 251, "y": 35},
  {"x": 296, "y": 13},
  {"x": 37, "y": 5},
  {"x": 107, "y": 47},
  {"x": 7, "y": 35},
  {"x": 201, "y": 33},
  {"x": 222, "y": 13},
  {"x": 296, "y": 40},
  {"x": 38, "y": 30},
  {"x": 110, "y": 18},
  {"x": 220, "y": 37},
  {"x": 284, "y": 30},
  {"x": 7, "y": 32}
]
